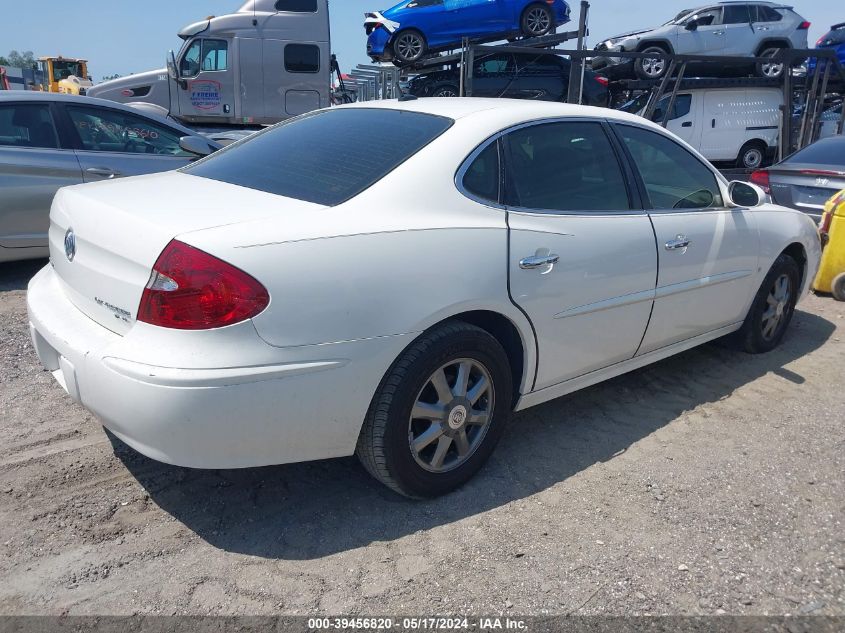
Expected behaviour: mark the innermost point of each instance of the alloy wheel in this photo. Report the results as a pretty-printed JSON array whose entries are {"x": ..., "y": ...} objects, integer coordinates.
[
  {"x": 409, "y": 46},
  {"x": 778, "y": 307},
  {"x": 770, "y": 69},
  {"x": 451, "y": 415},
  {"x": 538, "y": 21},
  {"x": 654, "y": 67}
]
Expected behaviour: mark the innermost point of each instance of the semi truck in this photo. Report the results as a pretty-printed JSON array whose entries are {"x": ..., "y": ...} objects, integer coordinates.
[{"x": 268, "y": 61}]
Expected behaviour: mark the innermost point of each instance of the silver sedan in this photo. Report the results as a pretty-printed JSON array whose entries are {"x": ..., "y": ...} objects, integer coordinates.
[{"x": 48, "y": 141}]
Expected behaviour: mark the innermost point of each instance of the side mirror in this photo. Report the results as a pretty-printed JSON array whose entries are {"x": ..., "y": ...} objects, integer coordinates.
[
  {"x": 195, "y": 145},
  {"x": 745, "y": 194},
  {"x": 171, "y": 66},
  {"x": 692, "y": 25}
]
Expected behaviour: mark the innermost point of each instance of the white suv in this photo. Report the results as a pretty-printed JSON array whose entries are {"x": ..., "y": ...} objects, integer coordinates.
[{"x": 738, "y": 29}]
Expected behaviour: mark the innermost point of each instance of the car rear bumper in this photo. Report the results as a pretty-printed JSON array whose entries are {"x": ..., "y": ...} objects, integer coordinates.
[{"x": 306, "y": 403}]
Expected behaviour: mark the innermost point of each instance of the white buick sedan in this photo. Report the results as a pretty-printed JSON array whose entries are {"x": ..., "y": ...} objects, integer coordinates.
[{"x": 393, "y": 279}]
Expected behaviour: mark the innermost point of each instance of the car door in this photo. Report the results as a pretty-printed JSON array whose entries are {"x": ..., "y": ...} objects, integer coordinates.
[
  {"x": 739, "y": 35},
  {"x": 707, "y": 38},
  {"x": 583, "y": 260},
  {"x": 707, "y": 251},
  {"x": 684, "y": 120},
  {"x": 540, "y": 77},
  {"x": 725, "y": 114},
  {"x": 206, "y": 80},
  {"x": 112, "y": 143},
  {"x": 34, "y": 164},
  {"x": 475, "y": 18},
  {"x": 766, "y": 23},
  {"x": 493, "y": 75}
]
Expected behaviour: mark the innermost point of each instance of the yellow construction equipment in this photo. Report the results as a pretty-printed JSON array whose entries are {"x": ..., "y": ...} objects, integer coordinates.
[
  {"x": 65, "y": 75},
  {"x": 831, "y": 277}
]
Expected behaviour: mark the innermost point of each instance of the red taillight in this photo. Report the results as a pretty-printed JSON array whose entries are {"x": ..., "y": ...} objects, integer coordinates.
[
  {"x": 761, "y": 179},
  {"x": 604, "y": 81},
  {"x": 192, "y": 290},
  {"x": 804, "y": 26},
  {"x": 820, "y": 41}
]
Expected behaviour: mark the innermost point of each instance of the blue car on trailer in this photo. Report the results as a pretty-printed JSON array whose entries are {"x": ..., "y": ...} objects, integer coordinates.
[
  {"x": 413, "y": 29},
  {"x": 832, "y": 40}
]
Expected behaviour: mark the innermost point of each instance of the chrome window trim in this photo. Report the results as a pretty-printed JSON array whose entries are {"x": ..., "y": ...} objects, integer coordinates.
[{"x": 468, "y": 161}]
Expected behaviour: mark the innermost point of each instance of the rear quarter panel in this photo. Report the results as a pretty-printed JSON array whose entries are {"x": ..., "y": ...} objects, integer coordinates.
[{"x": 780, "y": 228}]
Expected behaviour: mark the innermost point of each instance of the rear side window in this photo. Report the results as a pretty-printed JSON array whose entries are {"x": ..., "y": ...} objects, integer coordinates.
[
  {"x": 302, "y": 58},
  {"x": 829, "y": 151},
  {"x": 539, "y": 65},
  {"x": 483, "y": 176},
  {"x": 673, "y": 177},
  {"x": 297, "y": 6},
  {"x": 564, "y": 167},
  {"x": 766, "y": 14},
  {"x": 736, "y": 14},
  {"x": 27, "y": 125},
  {"x": 494, "y": 65},
  {"x": 327, "y": 157}
]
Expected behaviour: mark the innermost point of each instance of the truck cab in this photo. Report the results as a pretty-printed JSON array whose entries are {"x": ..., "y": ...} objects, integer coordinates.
[{"x": 267, "y": 62}]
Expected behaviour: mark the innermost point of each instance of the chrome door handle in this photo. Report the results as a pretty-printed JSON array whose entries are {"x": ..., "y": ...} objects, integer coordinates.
[
  {"x": 682, "y": 241},
  {"x": 105, "y": 172},
  {"x": 718, "y": 32},
  {"x": 538, "y": 261}
]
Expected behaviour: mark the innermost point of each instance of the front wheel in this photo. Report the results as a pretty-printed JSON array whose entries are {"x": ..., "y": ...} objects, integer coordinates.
[
  {"x": 773, "y": 307},
  {"x": 409, "y": 47},
  {"x": 651, "y": 67},
  {"x": 438, "y": 412},
  {"x": 537, "y": 20}
]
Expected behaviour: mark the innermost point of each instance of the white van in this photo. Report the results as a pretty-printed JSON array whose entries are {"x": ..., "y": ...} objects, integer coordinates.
[{"x": 740, "y": 125}]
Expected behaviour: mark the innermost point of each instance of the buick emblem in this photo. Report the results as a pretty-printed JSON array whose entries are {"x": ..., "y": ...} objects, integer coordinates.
[{"x": 70, "y": 245}]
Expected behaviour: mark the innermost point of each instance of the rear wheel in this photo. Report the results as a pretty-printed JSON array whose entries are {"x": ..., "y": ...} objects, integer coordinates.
[
  {"x": 438, "y": 413},
  {"x": 651, "y": 67},
  {"x": 773, "y": 307},
  {"x": 770, "y": 70},
  {"x": 409, "y": 47},
  {"x": 537, "y": 20},
  {"x": 837, "y": 288},
  {"x": 446, "y": 91},
  {"x": 752, "y": 155}
]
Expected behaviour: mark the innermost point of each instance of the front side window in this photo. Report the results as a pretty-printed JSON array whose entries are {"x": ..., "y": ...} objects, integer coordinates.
[
  {"x": 327, "y": 157},
  {"x": 27, "y": 125},
  {"x": 682, "y": 107},
  {"x": 297, "y": 6},
  {"x": 302, "y": 58},
  {"x": 205, "y": 56},
  {"x": 564, "y": 167},
  {"x": 482, "y": 177},
  {"x": 673, "y": 177},
  {"x": 707, "y": 18},
  {"x": 736, "y": 14},
  {"x": 104, "y": 130}
]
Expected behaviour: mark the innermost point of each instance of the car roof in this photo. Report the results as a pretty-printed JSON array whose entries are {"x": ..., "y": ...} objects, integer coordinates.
[
  {"x": 517, "y": 109},
  {"x": 35, "y": 95}
]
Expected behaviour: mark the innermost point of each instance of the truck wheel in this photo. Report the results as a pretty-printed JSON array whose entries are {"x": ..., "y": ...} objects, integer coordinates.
[
  {"x": 772, "y": 309},
  {"x": 837, "y": 288},
  {"x": 651, "y": 68},
  {"x": 409, "y": 47},
  {"x": 446, "y": 91},
  {"x": 751, "y": 156},
  {"x": 537, "y": 20},
  {"x": 770, "y": 70},
  {"x": 438, "y": 413}
]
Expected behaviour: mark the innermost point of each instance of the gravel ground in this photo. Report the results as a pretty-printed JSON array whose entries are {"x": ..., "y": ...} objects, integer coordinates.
[{"x": 708, "y": 483}]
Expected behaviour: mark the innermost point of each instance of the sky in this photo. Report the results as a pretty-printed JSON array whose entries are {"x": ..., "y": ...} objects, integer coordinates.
[{"x": 126, "y": 36}]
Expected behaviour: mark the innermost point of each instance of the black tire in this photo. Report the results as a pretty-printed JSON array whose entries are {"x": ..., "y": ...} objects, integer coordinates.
[
  {"x": 447, "y": 90},
  {"x": 837, "y": 287},
  {"x": 537, "y": 20},
  {"x": 752, "y": 155},
  {"x": 384, "y": 446},
  {"x": 766, "y": 70},
  {"x": 752, "y": 337},
  {"x": 408, "y": 47},
  {"x": 646, "y": 68}
]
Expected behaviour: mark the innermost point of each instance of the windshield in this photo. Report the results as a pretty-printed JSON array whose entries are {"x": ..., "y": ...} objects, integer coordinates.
[
  {"x": 63, "y": 70},
  {"x": 326, "y": 157}
]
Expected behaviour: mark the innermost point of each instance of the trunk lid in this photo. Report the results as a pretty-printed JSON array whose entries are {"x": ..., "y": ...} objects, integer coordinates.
[
  {"x": 119, "y": 228},
  {"x": 806, "y": 187}
]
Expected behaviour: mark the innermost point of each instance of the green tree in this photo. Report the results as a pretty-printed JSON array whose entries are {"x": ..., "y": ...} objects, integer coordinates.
[
  {"x": 21, "y": 60},
  {"x": 4, "y": 61}
]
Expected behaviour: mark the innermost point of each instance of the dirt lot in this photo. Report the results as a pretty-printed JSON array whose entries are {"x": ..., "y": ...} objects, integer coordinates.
[{"x": 712, "y": 482}]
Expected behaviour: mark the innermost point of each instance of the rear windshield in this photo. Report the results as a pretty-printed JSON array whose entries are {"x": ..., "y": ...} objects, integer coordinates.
[
  {"x": 829, "y": 151},
  {"x": 327, "y": 157}
]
